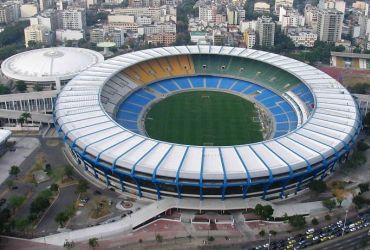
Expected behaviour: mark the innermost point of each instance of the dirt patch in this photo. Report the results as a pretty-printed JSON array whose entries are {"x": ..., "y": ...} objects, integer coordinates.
[
  {"x": 38, "y": 165},
  {"x": 52, "y": 142},
  {"x": 100, "y": 207}
]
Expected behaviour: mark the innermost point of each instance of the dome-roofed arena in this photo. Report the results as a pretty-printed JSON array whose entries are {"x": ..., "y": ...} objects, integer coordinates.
[
  {"x": 50, "y": 66},
  {"x": 307, "y": 120}
]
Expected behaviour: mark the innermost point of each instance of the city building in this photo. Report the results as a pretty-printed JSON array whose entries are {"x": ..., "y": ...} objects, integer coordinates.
[
  {"x": 118, "y": 37},
  {"x": 261, "y": 7},
  {"x": 265, "y": 30},
  {"x": 310, "y": 16},
  {"x": 28, "y": 10},
  {"x": 249, "y": 39},
  {"x": 305, "y": 39},
  {"x": 73, "y": 19},
  {"x": 218, "y": 37},
  {"x": 165, "y": 39},
  {"x": 46, "y": 4},
  {"x": 332, "y": 4},
  {"x": 9, "y": 12},
  {"x": 282, "y": 3},
  {"x": 39, "y": 34},
  {"x": 329, "y": 25},
  {"x": 69, "y": 35},
  {"x": 207, "y": 13},
  {"x": 97, "y": 35},
  {"x": 48, "y": 18},
  {"x": 350, "y": 60}
]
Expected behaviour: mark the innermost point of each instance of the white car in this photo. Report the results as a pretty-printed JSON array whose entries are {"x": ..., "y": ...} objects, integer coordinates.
[{"x": 310, "y": 231}]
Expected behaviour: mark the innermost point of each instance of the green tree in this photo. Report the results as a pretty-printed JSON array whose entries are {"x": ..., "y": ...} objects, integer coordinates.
[
  {"x": 25, "y": 116},
  {"x": 61, "y": 219},
  {"x": 21, "y": 86},
  {"x": 68, "y": 171},
  {"x": 362, "y": 146},
  {"x": 22, "y": 224},
  {"x": 263, "y": 211},
  {"x": 364, "y": 187},
  {"x": 329, "y": 204},
  {"x": 93, "y": 242},
  {"x": 317, "y": 186},
  {"x": 315, "y": 221},
  {"x": 54, "y": 187},
  {"x": 297, "y": 221},
  {"x": 273, "y": 233},
  {"x": 37, "y": 87},
  {"x": 4, "y": 90},
  {"x": 9, "y": 183},
  {"x": 14, "y": 170},
  {"x": 339, "y": 48},
  {"x": 262, "y": 233},
  {"x": 39, "y": 204},
  {"x": 327, "y": 217},
  {"x": 15, "y": 202},
  {"x": 359, "y": 201},
  {"x": 82, "y": 186}
]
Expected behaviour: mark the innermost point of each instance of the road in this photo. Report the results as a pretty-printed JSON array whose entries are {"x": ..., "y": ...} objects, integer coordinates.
[
  {"x": 355, "y": 240},
  {"x": 66, "y": 197}
]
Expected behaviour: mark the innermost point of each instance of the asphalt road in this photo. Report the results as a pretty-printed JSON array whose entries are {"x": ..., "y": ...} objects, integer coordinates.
[
  {"x": 48, "y": 225},
  {"x": 350, "y": 241}
]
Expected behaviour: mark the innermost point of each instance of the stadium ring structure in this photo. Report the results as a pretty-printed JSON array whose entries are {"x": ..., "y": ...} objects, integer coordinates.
[{"x": 98, "y": 112}]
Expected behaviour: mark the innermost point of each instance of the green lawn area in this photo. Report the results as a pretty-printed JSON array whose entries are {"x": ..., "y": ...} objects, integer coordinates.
[{"x": 204, "y": 118}]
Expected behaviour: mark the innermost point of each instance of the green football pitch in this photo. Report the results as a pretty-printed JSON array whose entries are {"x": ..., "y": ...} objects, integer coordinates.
[{"x": 204, "y": 118}]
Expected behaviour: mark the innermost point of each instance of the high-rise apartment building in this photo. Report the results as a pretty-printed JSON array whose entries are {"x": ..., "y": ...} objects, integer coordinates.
[
  {"x": 329, "y": 25},
  {"x": 207, "y": 13},
  {"x": 73, "y": 19},
  {"x": 9, "y": 12},
  {"x": 265, "y": 30}
]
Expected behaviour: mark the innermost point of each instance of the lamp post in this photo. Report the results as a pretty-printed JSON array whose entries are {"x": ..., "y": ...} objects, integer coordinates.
[
  {"x": 345, "y": 220},
  {"x": 268, "y": 247}
]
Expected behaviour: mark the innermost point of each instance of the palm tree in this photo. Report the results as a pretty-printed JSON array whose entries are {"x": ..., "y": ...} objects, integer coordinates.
[{"x": 26, "y": 116}]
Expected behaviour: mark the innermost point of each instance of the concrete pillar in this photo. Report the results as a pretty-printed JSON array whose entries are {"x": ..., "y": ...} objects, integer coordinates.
[
  {"x": 58, "y": 84},
  {"x": 44, "y": 105}
]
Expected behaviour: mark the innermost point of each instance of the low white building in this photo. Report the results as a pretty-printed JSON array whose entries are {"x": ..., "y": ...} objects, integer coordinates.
[
  {"x": 66, "y": 35},
  {"x": 306, "y": 39}
]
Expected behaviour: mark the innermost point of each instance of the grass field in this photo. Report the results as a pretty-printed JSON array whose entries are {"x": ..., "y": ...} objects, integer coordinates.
[{"x": 204, "y": 118}]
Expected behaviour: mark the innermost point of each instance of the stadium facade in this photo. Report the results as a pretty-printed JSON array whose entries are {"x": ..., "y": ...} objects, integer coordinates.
[{"x": 99, "y": 114}]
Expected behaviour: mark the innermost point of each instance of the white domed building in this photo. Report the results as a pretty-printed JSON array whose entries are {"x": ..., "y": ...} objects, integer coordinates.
[{"x": 51, "y": 68}]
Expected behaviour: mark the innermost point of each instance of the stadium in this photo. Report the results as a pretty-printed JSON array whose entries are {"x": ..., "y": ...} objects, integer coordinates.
[{"x": 206, "y": 122}]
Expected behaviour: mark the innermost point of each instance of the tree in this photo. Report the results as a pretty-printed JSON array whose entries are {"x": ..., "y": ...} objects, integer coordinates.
[
  {"x": 14, "y": 170},
  {"x": 263, "y": 211},
  {"x": 273, "y": 233},
  {"x": 315, "y": 221},
  {"x": 21, "y": 86},
  {"x": 362, "y": 146},
  {"x": 262, "y": 233},
  {"x": 4, "y": 90},
  {"x": 39, "y": 204},
  {"x": 54, "y": 187},
  {"x": 317, "y": 186},
  {"x": 82, "y": 186},
  {"x": 9, "y": 183},
  {"x": 211, "y": 238},
  {"x": 297, "y": 221},
  {"x": 364, "y": 187},
  {"x": 329, "y": 204},
  {"x": 339, "y": 201},
  {"x": 37, "y": 87},
  {"x": 61, "y": 219},
  {"x": 68, "y": 171},
  {"x": 158, "y": 238},
  {"x": 327, "y": 217},
  {"x": 69, "y": 244},
  {"x": 339, "y": 48},
  {"x": 93, "y": 242},
  {"x": 15, "y": 202},
  {"x": 22, "y": 224},
  {"x": 359, "y": 201},
  {"x": 23, "y": 118}
]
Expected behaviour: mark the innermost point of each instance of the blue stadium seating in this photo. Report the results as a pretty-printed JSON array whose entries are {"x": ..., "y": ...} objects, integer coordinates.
[
  {"x": 226, "y": 83},
  {"x": 183, "y": 82},
  {"x": 197, "y": 81},
  {"x": 169, "y": 85},
  {"x": 212, "y": 82},
  {"x": 240, "y": 85},
  {"x": 146, "y": 94},
  {"x": 158, "y": 88}
]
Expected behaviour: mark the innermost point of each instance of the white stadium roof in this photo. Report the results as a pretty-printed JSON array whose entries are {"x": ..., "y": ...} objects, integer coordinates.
[
  {"x": 48, "y": 64},
  {"x": 82, "y": 118}
]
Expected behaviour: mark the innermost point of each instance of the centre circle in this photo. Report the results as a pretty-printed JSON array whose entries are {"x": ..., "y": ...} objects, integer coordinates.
[{"x": 204, "y": 118}]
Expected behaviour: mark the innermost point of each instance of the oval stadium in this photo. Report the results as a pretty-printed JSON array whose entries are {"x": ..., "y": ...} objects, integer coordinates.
[{"x": 206, "y": 122}]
